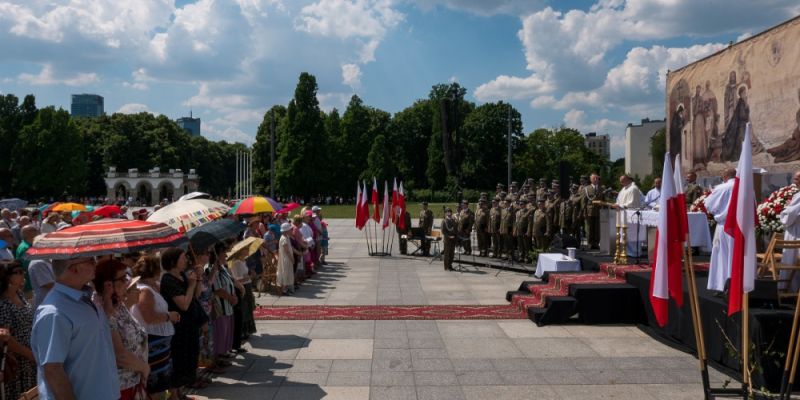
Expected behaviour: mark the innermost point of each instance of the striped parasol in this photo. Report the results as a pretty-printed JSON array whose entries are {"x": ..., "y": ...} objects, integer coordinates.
[
  {"x": 186, "y": 215},
  {"x": 256, "y": 205},
  {"x": 106, "y": 236}
]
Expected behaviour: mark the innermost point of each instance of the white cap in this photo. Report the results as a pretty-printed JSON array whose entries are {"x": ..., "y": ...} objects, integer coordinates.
[
  {"x": 285, "y": 227},
  {"x": 315, "y": 208}
]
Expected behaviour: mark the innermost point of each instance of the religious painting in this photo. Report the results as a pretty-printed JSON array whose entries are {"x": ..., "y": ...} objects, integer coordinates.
[{"x": 710, "y": 102}]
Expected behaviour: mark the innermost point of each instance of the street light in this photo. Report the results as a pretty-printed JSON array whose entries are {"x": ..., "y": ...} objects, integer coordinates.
[{"x": 509, "y": 146}]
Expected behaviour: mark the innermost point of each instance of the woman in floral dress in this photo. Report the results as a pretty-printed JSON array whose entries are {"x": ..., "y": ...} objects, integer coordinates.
[{"x": 16, "y": 314}]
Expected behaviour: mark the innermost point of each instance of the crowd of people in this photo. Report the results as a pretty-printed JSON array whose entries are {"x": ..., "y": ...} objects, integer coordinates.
[{"x": 144, "y": 325}]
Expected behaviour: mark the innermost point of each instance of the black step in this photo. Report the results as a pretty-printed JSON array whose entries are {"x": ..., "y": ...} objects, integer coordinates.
[
  {"x": 511, "y": 293},
  {"x": 557, "y": 310}
]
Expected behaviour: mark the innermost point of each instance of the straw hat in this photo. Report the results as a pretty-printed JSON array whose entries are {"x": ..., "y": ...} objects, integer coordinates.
[{"x": 286, "y": 227}]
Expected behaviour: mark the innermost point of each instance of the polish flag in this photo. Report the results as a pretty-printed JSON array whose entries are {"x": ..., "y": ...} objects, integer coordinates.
[
  {"x": 666, "y": 278},
  {"x": 394, "y": 202},
  {"x": 401, "y": 201},
  {"x": 680, "y": 203},
  {"x": 387, "y": 214},
  {"x": 740, "y": 225},
  {"x": 364, "y": 206},
  {"x": 358, "y": 206},
  {"x": 376, "y": 212}
]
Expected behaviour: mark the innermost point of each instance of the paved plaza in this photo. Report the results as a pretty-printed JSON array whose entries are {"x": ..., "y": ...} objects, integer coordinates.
[{"x": 447, "y": 359}]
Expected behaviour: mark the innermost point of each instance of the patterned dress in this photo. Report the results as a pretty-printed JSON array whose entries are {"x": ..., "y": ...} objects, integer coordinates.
[
  {"x": 134, "y": 339},
  {"x": 19, "y": 320}
]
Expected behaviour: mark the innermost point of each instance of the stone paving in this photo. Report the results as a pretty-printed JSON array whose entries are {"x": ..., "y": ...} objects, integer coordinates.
[{"x": 447, "y": 359}]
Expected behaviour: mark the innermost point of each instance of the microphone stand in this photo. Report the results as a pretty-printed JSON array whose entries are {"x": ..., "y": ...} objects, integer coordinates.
[{"x": 638, "y": 215}]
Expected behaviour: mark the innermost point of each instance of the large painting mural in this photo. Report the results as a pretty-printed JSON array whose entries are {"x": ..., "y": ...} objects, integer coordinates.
[{"x": 710, "y": 101}]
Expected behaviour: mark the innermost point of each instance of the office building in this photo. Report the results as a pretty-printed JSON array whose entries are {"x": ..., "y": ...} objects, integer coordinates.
[
  {"x": 599, "y": 144},
  {"x": 638, "y": 160},
  {"x": 189, "y": 124},
  {"x": 87, "y": 105}
]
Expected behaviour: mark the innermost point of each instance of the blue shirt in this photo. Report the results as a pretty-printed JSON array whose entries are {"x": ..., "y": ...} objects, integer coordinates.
[{"x": 68, "y": 330}]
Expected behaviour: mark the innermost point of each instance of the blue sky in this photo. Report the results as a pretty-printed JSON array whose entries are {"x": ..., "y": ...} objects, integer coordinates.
[{"x": 591, "y": 65}]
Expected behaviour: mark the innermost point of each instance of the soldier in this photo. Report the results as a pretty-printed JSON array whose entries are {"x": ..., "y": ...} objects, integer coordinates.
[
  {"x": 576, "y": 220},
  {"x": 482, "y": 228},
  {"x": 450, "y": 234},
  {"x": 426, "y": 223},
  {"x": 551, "y": 210},
  {"x": 521, "y": 230},
  {"x": 513, "y": 188},
  {"x": 499, "y": 189},
  {"x": 494, "y": 227},
  {"x": 541, "y": 192},
  {"x": 565, "y": 212},
  {"x": 404, "y": 231},
  {"x": 693, "y": 189},
  {"x": 539, "y": 227},
  {"x": 466, "y": 220},
  {"x": 591, "y": 212},
  {"x": 506, "y": 224}
]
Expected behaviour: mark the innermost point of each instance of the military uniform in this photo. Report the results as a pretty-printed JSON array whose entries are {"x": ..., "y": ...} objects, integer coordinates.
[
  {"x": 693, "y": 192},
  {"x": 466, "y": 220},
  {"x": 450, "y": 236},
  {"x": 539, "y": 227},
  {"x": 551, "y": 210},
  {"x": 482, "y": 228},
  {"x": 591, "y": 213},
  {"x": 520, "y": 231},
  {"x": 404, "y": 231},
  {"x": 506, "y": 225},
  {"x": 541, "y": 192},
  {"x": 576, "y": 218},
  {"x": 494, "y": 228},
  {"x": 426, "y": 223}
]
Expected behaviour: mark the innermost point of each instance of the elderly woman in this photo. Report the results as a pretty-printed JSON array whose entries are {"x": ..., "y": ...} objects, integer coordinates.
[
  {"x": 222, "y": 304},
  {"x": 16, "y": 314},
  {"x": 152, "y": 312},
  {"x": 238, "y": 266},
  {"x": 129, "y": 338},
  {"x": 286, "y": 256},
  {"x": 178, "y": 286}
]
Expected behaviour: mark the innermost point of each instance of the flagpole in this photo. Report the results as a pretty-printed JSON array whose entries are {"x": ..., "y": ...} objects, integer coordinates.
[
  {"x": 696, "y": 321},
  {"x": 746, "y": 345},
  {"x": 787, "y": 381}
]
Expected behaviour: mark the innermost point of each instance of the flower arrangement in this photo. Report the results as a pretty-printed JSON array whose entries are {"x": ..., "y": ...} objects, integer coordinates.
[
  {"x": 699, "y": 205},
  {"x": 769, "y": 211}
]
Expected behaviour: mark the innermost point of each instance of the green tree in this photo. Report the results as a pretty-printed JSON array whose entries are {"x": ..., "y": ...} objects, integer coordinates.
[
  {"x": 262, "y": 146},
  {"x": 543, "y": 150},
  {"x": 13, "y": 117},
  {"x": 448, "y": 108},
  {"x": 410, "y": 134},
  {"x": 485, "y": 148},
  {"x": 303, "y": 167},
  {"x": 49, "y": 157},
  {"x": 352, "y": 144},
  {"x": 379, "y": 161},
  {"x": 658, "y": 147}
]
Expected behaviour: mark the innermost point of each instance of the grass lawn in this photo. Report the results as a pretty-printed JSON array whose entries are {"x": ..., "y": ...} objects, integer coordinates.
[{"x": 349, "y": 211}]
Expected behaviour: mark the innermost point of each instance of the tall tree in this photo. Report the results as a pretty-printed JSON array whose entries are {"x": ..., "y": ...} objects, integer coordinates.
[
  {"x": 543, "y": 150},
  {"x": 263, "y": 146},
  {"x": 303, "y": 167},
  {"x": 485, "y": 144},
  {"x": 379, "y": 160},
  {"x": 11, "y": 122},
  {"x": 449, "y": 111},
  {"x": 409, "y": 134},
  {"x": 354, "y": 142}
]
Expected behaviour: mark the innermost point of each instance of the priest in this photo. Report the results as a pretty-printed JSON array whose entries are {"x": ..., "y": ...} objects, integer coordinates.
[
  {"x": 651, "y": 199},
  {"x": 630, "y": 198},
  {"x": 790, "y": 218},
  {"x": 722, "y": 247}
]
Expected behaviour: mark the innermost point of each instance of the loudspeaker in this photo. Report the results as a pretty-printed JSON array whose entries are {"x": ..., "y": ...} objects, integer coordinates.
[{"x": 563, "y": 178}]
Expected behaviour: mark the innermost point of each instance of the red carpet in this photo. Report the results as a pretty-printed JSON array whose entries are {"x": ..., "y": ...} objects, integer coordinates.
[
  {"x": 388, "y": 312},
  {"x": 558, "y": 284}
]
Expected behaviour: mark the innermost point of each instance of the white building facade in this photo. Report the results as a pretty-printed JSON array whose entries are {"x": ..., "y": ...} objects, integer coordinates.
[{"x": 638, "y": 160}]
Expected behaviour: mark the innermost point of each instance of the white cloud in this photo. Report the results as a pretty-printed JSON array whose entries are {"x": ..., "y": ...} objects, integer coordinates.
[
  {"x": 348, "y": 18},
  {"x": 511, "y": 87},
  {"x": 367, "y": 52},
  {"x": 484, "y": 8},
  {"x": 204, "y": 98},
  {"x": 577, "y": 119},
  {"x": 48, "y": 77},
  {"x": 329, "y": 101},
  {"x": 133, "y": 108},
  {"x": 229, "y": 134},
  {"x": 351, "y": 75}
]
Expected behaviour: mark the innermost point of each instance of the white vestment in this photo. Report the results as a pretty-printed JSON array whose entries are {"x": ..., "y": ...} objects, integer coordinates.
[
  {"x": 631, "y": 198},
  {"x": 790, "y": 218},
  {"x": 717, "y": 205},
  {"x": 651, "y": 200}
]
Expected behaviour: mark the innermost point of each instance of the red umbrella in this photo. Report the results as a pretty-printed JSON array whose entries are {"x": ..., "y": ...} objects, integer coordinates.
[
  {"x": 288, "y": 208},
  {"x": 106, "y": 236},
  {"x": 107, "y": 211}
]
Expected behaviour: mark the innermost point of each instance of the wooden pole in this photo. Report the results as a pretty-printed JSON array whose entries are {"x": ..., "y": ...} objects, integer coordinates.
[
  {"x": 746, "y": 345},
  {"x": 787, "y": 381},
  {"x": 696, "y": 321}
]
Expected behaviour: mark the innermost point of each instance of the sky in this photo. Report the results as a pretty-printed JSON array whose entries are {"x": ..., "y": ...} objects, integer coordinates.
[{"x": 591, "y": 65}]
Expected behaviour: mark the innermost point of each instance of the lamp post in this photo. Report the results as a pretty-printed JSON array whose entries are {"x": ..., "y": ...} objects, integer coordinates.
[{"x": 509, "y": 146}]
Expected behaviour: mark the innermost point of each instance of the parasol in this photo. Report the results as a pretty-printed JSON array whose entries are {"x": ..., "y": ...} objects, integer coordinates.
[
  {"x": 69, "y": 207},
  {"x": 189, "y": 214},
  {"x": 108, "y": 211},
  {"x": 13, "y": 204},
  {"x": 195, "y": 195},
  {"x": 213, "y": 232},
  {"x": 256, "y": 205},
  {"x": 245, "y": 248},
  {"x": 288, "y": 208},
  {"x": 106, "y": 236}
]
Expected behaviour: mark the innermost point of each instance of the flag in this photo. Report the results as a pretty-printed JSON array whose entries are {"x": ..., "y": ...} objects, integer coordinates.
[
  {"x": 740, "y": 225},
  {"x": 666, "y": 277},
  {"x": 376, "y": 212},
  {"x": 401, "y": 201},
  {"x": 394, "y": 202},
  {"x": 358, "y": 205},
  {"x": 680, "y": 203},
  {"x": 364, "y": 206},
  {"x": 387, "y": 214}
]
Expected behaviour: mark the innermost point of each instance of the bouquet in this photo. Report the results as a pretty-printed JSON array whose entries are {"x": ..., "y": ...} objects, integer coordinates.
[
  {"x": 769, "y": 211},
  {"x": 699, "y": 205}
]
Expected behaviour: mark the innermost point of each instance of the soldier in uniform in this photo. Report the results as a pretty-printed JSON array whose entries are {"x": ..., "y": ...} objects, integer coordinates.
[
  {"x": 512, "y": 190},
  {"x": 466, "y": 220},
  {"x": 450, "y": 236},
  {"x": 482, "y": 228},
  {"x": 575, "y": 208},
  {"x": 539, "y": 226},
  {"x": 565, "y": 212},
  {"x": 693, "y": 189},
  {"x": 591, "y": 213},
  {"x": 506, "y": 225},
  {"x": 405, "y": 230},
  {"x": 426, "y": 223},
  {"x": 541, "y": 192},
  {"x": 494, "y": 227},
  {"x": 499, "y": 189},
  {"x": 551, "y": 210},
  {"x": 521, "y": 230}
]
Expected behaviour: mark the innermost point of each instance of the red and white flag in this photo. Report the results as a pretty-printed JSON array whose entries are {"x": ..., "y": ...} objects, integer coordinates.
[
  {"x": 680, "y": 203},
  {"x": 394, "y": 202},
  {"x": 401, "y": 200},
  {"x": 358, "y": 205},
  {"x": 364, "y": 206},
  {"x": 376, "y": 212},
  {"x": 666, "y": 278},
  {"x": 741, "y": 225},
  {"x": 387, "y": 214}
]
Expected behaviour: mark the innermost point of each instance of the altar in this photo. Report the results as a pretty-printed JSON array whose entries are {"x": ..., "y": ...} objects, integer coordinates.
[{"x": 641, "y": 225}]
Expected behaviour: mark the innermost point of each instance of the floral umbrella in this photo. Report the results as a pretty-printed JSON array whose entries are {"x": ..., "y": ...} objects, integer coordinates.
[{"x": 186, "y": 215}]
